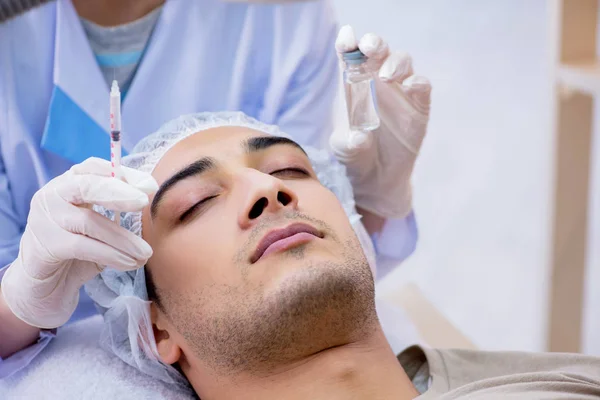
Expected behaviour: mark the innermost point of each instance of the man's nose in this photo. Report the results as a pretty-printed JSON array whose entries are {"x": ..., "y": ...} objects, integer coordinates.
[{"x": 263, "y": 194}]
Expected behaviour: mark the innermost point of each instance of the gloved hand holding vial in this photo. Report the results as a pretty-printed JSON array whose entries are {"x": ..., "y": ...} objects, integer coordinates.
[{"x": 388, "y": 112}]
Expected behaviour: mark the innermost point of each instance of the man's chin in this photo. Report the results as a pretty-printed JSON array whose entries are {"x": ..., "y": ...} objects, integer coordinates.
[
  {"x": 334, "y": 301},
  {"x": 320, "y": 282}
]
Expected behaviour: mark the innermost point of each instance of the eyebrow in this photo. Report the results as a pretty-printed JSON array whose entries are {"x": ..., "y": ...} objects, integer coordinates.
[
  {"x": 205, "y": 164},
  {"x": 260, "y": 143}
]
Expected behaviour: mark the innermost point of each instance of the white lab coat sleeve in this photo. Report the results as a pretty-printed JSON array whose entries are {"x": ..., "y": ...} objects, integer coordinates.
[
  {"x": 23, "y": 358},
  {"x": 304, "y": 78},
  {"x": 396, "y": 241},
  {"x": 10, "y": 228},
  {"x": 11, "y": 223}
]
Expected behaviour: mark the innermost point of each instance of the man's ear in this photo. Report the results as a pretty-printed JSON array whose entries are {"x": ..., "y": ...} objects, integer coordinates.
[{"x": 168, "y": 350}]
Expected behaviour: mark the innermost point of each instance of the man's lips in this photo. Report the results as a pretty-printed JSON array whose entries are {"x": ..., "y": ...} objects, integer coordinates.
[{"x": 283, "y": 239}]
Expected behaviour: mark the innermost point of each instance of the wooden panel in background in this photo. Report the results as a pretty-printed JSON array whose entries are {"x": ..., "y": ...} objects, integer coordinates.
[
  {"x": 433, "y": 327},
  {"x": 573, "y": 25},
  {"x": 577, "y": 30},
  {"x": 571, "y": 194}
]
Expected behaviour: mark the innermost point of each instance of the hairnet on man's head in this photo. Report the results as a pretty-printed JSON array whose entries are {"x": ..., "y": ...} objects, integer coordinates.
[
  {"x": 122, "y": 297},
  {"x": 148, "y": 152}
]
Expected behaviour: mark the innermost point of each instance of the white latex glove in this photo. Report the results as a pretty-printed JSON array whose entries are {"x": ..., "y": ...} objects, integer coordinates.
[
  {"x": 380, "y": 162},
  {"x": 65, "y": 243}
]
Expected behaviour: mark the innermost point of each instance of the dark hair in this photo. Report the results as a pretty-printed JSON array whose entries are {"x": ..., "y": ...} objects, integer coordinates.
[{"x": 151, "y": 288}]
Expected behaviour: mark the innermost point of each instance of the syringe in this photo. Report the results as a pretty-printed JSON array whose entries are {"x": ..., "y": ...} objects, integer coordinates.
[{"x": 115, "y": 136}]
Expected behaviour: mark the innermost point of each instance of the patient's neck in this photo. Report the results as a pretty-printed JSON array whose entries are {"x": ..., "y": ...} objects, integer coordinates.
[{"x": 361, "y": 370}]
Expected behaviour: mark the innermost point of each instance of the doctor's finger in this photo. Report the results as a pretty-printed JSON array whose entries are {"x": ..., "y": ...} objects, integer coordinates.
[
  {"x": 92, "y": 166},
  {"x": 140, "y": 180},
  {"x": 107, "y": 192},
  {"x": 397, "y": 67},
  {"x": 347, "y": 144},
  {"x": 346, "y": 40},
  {"x": 81, "y": 222},
  {"x": 374, "y": 47},
  {"x": 88, "y": 249},
  {"x": 97, "y": 166},
  {"x": 418, "y": 89}
]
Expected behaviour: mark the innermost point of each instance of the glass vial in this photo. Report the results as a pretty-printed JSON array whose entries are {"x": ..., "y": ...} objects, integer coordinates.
[{"x": 360, "y": 97}]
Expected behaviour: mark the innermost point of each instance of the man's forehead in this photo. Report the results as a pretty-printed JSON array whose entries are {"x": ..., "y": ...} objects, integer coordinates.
[{"x": 214, "y": 142}]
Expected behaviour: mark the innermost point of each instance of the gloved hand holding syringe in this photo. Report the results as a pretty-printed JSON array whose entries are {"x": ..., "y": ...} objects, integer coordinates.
[{"x": 65, "y": 243}]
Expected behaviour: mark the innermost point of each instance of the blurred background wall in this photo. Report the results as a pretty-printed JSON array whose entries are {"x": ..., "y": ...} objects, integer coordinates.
[{"x": 483, "y": 182}]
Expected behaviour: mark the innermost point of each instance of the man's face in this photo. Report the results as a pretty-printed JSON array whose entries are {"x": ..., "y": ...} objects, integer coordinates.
[{"x": 254, "y": 260}]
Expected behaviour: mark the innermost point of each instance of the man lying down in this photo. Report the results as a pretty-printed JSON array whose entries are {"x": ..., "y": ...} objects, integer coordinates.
[{"x": 259, "y": 288}]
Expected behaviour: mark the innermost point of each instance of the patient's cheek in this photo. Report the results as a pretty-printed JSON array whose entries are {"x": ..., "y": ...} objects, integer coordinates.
[
  {"x": 317, "y": 199},
  {"x": 169, "y": 263},
  {"x": 189, "y": 256},
  {"x": 325, "y": 205}
]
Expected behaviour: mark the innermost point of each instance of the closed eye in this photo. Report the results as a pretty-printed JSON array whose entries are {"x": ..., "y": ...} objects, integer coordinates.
[
  {"x": 290, "y": 173},
  {"x": 198, "y": 206}
]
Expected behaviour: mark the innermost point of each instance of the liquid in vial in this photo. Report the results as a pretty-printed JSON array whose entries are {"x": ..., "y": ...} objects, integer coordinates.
[{"x": 358, "y": 86}]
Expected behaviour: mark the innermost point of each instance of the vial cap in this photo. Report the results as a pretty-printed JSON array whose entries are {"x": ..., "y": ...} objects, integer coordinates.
[{"x": 354, "y": 57}]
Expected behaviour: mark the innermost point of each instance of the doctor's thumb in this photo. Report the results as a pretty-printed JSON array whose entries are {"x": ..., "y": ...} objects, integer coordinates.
[{"x": 418, "y": 90}]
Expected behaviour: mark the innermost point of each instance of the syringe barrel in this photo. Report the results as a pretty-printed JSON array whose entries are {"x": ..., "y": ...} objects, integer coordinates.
[
  {"x": 115, "y": 113},
  {"x": 115, "y": 158}
]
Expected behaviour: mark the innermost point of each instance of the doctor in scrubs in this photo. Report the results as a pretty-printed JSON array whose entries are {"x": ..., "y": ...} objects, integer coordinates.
[{"x": 274, "y": 62}]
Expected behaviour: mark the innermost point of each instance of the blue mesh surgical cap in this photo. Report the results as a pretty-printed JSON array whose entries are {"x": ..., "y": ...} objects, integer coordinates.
[{"x": 122, "y": 297}]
